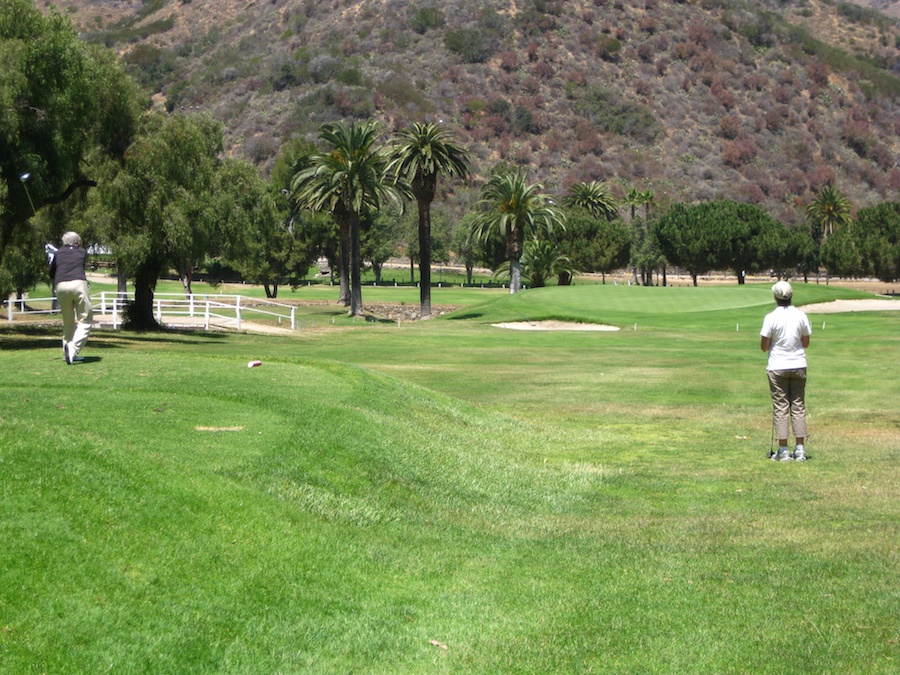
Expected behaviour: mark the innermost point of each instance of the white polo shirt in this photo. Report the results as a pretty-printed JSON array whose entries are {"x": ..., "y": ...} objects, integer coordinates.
[{"x": 785, "y": 326}]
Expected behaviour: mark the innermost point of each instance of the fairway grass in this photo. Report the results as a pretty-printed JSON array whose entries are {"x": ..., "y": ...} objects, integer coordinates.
[{"x": 450, "y": 497}]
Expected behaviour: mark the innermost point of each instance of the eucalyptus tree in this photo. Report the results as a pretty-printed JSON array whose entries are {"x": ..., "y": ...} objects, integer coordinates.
[
  {"x": 594, "y": 197},
  {"x": 518, "y": 211},
  {"x": 160, "y": 203},
  {"x": 419, "y": 155},
  {"x": 593, "y": 244},
  {"x": 474, "y": 251},
  {"x": 348, "y": 181},
  {"x": 64, "y": 105},
  {"x": 254, "y": 236}
]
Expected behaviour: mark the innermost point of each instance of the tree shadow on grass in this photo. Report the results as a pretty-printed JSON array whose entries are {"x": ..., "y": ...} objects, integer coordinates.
[
  {"x": 28, "y": 338},
  {"x": 468, "y": 315}
]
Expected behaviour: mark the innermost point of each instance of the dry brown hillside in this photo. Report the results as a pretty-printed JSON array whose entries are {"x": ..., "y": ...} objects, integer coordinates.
[{"x": 763, "y": 102}]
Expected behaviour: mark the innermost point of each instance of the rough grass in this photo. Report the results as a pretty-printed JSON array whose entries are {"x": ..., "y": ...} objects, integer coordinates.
[{"x": 452, "y": 497}]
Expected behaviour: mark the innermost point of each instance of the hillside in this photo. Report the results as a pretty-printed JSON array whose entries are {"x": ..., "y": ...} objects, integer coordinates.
[{"x": 755, "y": 101}]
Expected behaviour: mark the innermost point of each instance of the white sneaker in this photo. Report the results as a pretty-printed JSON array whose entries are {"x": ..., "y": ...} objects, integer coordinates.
[
  {"x": 72, "y": 354},
  {"x": 781, "y": 456},
  {"x": 799, "y": 455}
]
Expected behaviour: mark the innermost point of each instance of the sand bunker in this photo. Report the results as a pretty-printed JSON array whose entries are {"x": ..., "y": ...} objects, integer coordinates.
[
  {"x": 837, "y": 306},
  {"x": 553, "y": 325}
]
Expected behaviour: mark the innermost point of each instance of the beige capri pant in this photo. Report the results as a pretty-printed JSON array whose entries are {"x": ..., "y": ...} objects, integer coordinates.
[
  {"x": 788, "y": 389},
  {"x": 74, "y": 299}
]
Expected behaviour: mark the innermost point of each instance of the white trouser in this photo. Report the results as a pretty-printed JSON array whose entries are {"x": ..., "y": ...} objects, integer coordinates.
[{"x": 77, "y": 314}]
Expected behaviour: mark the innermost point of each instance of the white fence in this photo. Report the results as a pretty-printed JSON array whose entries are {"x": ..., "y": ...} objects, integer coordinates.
[{"x": 173, "y": 309}]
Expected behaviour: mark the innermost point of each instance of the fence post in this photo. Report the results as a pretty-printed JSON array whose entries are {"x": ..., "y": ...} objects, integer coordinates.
[
  {"x": 9, "y": 305},
  {"x": 293, "y": 318},
  {"x": 115, "y": 310},
  {"x": 237, "y": 308},
  {"x": 159, "y": 310},
  {"x": 191, "y": 299},
  {"x": 206, "y": 325}
]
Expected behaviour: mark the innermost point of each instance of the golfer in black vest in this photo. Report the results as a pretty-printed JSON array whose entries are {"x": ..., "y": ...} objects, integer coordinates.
[{"x": 73, "y": 294}]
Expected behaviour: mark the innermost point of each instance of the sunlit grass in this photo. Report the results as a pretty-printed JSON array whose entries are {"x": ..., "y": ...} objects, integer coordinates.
[{"x": 446, "y": 496}]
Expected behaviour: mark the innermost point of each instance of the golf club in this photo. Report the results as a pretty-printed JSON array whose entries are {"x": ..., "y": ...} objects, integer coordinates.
[{"x": 24, "y": 178}]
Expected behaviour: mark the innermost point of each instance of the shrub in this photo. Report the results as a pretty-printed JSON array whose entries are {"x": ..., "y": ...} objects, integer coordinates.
[
  {"x": 610, "y": 113},
  {"x": 724, "y": 97},
  {"x": 472, "y": 45},
  {"x": 782, "y": 94},
  {"x": 607, "y": 48},
  {"x": 509, "y": 61},
  {"x": 738, "y": 152},
  {"x": 820, "y": 176},
  {"x": 730, "y": 127},
  {"x": 774, "y": 119},
  {"x": 818, "y": 73},
  {"x": 756, "y": 81},
  {"x": 425, "y": 18}
]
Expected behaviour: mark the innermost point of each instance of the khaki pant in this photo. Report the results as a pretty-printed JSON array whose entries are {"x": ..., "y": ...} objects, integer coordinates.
[
  {"x": 788, "y": 389},
  {"x": 74, "y": 299}
]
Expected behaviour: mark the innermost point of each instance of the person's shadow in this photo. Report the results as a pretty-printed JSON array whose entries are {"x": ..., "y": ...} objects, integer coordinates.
[{"x": 87, "y": 360}]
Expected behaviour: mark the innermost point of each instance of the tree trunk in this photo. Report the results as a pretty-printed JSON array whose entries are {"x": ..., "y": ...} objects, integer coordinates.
[
  {"x": 470, "y": 270},
  {"x": 356, "y": 307},
  {"x": 121, "y": 283},
  {"x": 424, "y": 259},
  {"x": 515, "y": 275},
  {"x": 564, "y": 279},
  {"x": 515, "y": 239},
  {"x": 140, "y": 312},
  {"x": 186, "y": 274},
  {"x": 271, "y": 290},
  {"x": 694, "y": 277},
  {"x": 344, "y": 231}
]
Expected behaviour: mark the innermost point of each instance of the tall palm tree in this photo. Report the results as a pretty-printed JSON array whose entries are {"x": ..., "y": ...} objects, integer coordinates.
[
  {"x": 646, "y": 198},
  {"x": 828, "y": 211},
  {"x": 348, "y": 181},
  {"x": 595, "y": 198},
  {"x": 418, "y": 156},
  {"x": 633, "y": 199},
  {"x": 516, "y": 210}
]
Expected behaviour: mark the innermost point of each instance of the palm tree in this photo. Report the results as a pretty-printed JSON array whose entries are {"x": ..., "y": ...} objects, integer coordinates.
[
  {"x": 645, "y": 199},
  {"x": 349, "y": 182},
  {"x": 419, "y": 155},
  {"x": 516, "y": 210},
  {"x": 828, "y": 211},
  {"x": 633, "y": 199},
  {"x": 595, "y": 198},
  {"x": 541, "y": 260}
]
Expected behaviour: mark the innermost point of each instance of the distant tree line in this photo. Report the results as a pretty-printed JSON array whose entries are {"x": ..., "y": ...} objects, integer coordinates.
[{"x": 80, "y": 149}]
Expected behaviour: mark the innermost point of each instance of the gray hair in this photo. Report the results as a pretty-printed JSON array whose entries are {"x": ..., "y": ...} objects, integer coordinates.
[{"x": 71, "y": 239}]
